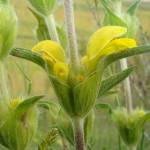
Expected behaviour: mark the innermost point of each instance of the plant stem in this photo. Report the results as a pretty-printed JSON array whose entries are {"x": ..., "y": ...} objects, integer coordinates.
[
  {"x": 127, "y": 87},
  {"x": 4, "y": 83},
  {"x": 132, "y": 148},
  {"x": 71, "y": 33},
  {"x": 52, "y": 27},
  {"x": 79, "y": 134}
]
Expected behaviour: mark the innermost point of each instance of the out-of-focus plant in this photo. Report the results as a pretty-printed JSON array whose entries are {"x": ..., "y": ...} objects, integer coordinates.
[
  {"x": 129, "y": 125},
  {"x": 47, "y": 26},
  {"x": 18, "y": 122},
  {"x": 8, "y": 26},
  {"x": 77, "y": 82}
]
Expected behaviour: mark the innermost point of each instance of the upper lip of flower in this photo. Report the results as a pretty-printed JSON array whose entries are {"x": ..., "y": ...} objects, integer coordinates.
[{"x": 103, "y": 42}]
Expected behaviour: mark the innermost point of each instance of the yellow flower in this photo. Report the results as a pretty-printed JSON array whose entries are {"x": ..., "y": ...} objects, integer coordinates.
[
  {"x": 54, "y": 54},
  {"x": 51, "y": 51},
  {"x": 106, "y": 41},
  {"x": 14, "y": 103},
  {"x": 61, "y": 70}
]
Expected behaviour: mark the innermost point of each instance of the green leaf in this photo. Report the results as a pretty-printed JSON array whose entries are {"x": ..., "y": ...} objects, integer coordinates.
[
  {"x": 26, "y": 105},
  {"x": 104, "y": 106},
  {"x": 42, "y": 30},
  {"x": 123, "y": 54},
  {"x": 110, "y": 17},
  {"x": 113, "y": 80},
  {"x": 43, "y": 7},
  {"x": 133, "y": 7},
  {"x": 65, "y": 127},
  {"x": 62, "y": 36},
  {"x": 28, "y": 55}
]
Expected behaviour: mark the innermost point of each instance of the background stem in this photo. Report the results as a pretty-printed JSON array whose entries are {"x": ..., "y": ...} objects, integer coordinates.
[
  {"x": 79, "y": 134},
  {"x": 52, "y": 28},
  {"x": 71, "y": 33},
  {"x": 127, "y": 87},
  {"x": 4, "y": 81}
]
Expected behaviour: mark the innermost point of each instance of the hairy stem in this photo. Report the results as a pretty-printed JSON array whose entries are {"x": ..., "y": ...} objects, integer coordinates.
[
  {"x": 127, "y": 87},
  {"x": 71, "y": 33},
  {"x": 79, "y": 134},
  {"x": 52, "y": 28}
]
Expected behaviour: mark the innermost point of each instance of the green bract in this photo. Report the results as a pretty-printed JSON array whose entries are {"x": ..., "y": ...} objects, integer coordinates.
[
  {"x": 18, "y": 123},
  {"x": 8, "y": 25},
  {"x": 43, "y": 7}
]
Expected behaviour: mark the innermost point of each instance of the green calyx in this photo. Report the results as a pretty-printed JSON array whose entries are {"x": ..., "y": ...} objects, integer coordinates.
[
  {"x": 130, "y": 125},
  {"x": 8, "y": 26}
]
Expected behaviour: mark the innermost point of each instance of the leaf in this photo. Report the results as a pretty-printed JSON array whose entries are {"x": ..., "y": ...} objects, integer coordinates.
[
  {"x": 123, "y": 54},
  {"x": 112, "y": 81},
  {"x": 62, "y": 36},
  {"x": 110, "y": 17},
  {"x": 104, "y": 106},
  {"x": 28, "y": 55},
  {"x": 43, "y": 7},
  {"x": 26, "y": 105},
  {"x": 42, "y": 30},
  {"x": 133, "y": 7}
]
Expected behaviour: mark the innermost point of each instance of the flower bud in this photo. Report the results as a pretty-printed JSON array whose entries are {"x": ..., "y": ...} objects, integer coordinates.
[
  {"x": 129, "y": 125},
  {"x": 17, "y": 128},
  {"x": 8, "y": 25}
]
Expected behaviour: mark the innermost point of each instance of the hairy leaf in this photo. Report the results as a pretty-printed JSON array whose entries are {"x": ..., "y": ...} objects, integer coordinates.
[
  {"x": 133, "y": 7},
  {"x": 28, "y": 55},
  {"x": 112, "y": 81},
  {"x": 111, "y": 18},
  {"x": 26, "y": 105}
]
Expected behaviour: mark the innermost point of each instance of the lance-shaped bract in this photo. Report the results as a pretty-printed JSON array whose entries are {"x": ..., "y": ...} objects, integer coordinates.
[{"x": 8, "y": 25}]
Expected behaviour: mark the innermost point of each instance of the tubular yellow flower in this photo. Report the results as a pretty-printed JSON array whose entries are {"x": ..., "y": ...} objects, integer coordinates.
[
  {"x": 61, "y": 70},
  {"x": 14, "y": 103},
  {"x": 50, "y": 51},
  {"x": 54, "y": 54},
  {"x": 105, "y": 41}
]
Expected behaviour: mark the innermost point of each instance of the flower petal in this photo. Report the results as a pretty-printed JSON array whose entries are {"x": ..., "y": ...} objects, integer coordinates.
[
  {"x": 118, "y": 45},
  {"x": 101, "y": 38},
  {"x": 50, "y": 50},
  {"x": 61, "y": 70},
  {"x": 113, "y": 47}
]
